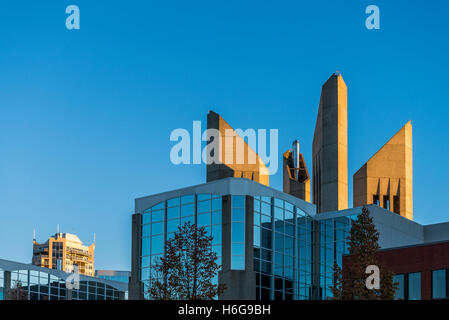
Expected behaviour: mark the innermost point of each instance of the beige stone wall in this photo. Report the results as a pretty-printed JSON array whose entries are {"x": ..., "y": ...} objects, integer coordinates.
[
  {"x": 237, "y": 158},
  {"x": 388, "y": 175}
]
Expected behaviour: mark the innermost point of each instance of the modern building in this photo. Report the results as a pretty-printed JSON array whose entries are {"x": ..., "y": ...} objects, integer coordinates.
[
  {"x": 120, "y": 276},
  {"x": 29, "y": 282},
  {"x": 279, "y": 245},
  {"x": 419, "y": 262},
  {"x": 271, "y": 245},
  {"x": 64, "y": 251}
]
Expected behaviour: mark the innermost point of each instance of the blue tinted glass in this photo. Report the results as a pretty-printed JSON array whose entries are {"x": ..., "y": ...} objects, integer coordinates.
[
  {"x": 145, "y": 262},
  {"x": 203, "y": 220},
  {"x": 266, "y": 238},
  {"x": 300, "y": 212},
  {"x": 201, "y": 197},
  {"x": 172, "y": 213},
  {"x": 216, "y": 234},
  {"x": 266, "y": 209},
  {"x": 238, "y": 214},
  {"x": 278, "y": 213},
  {"x": 187, "y": 210},
  {"x": 145, "y": 246},
  {"x": 146, "y": 230},
  {"x": 256, "y": 236},
  {"x": 203, "y": 206},
  {"x": 238, "y": 262},
  {"x": 414, "y": 286},
  {"x": 157, "y": 215},
  {"x": 157, "y": 244},
  {"x": 157, "y": 228},
  {"x": 216, "y": 217},
  {"x": 438, "y": 284},
  {"x": 238, "y": 201},
  {"x": 145, "y": 274},
  {"x": 216, "y": 204},
  {"x": 256, "y": 219},
  {"x": 188, "y": 199},
  {"x": 146, "y": 218},
  {"x": 266, "y": 221},
  {"x": 238, "y": 249},
  {"x": 238, "y": 232},
  {"x": 172, "y": 225},
  {"x": 288, "y": 216},
  {"x": 160, "y": 205},
  {"x": 278, "y": 242},
  {"x": 190, "y": 219},
  {"x": 217, "y": 250},
  {"x": 399, "y": 279},
  {"x": 256, "y": 205},
  {"x": 289, "y": 206},
  {"x": 279, "y": 226},
  {"x": 290, "y": 229},
  {"x": 173, "y": 202},
  {"x": 279, "y": 203}
]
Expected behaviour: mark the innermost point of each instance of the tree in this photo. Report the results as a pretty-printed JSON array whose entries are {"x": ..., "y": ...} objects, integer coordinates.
[
  {"x": 18, "y": 292},
  {"x": 350, "y": 283},
  {"x": 187, "y": 270}
]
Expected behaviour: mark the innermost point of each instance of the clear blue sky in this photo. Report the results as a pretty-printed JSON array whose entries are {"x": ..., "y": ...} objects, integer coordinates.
[{"x": 86, "y": 115}]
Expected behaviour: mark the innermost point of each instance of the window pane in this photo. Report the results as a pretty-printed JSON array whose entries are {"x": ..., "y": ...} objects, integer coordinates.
[
  {"x": 203, "y": 206},
  {"x": 414, "y": 286},
  {"x": 438, "y": 284},
  {"x": 237, "y": 262},
  {"x": 157, "y": 215},
  {"x": 187, "y": 210},
  {"x": 203, "y": 220},
  {"x": 238, "y": 215},
  {"x": 157, "y": 244},
  {"x": 238, "y": 201},
  {"x": 238, "y": 232},
  {"x": 172, "y": 213}
]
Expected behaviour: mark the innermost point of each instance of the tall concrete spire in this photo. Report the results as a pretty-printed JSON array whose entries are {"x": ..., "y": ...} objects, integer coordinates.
[{"x": 330, "y": 147}]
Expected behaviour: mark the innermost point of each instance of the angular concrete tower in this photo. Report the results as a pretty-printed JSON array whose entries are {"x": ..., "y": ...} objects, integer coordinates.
[
  {"x": 330, "y": 148},
  {"x": 235, "y": 158},
  {"x": 386, "y": 179},
  {"x": 296, "y": 175}
]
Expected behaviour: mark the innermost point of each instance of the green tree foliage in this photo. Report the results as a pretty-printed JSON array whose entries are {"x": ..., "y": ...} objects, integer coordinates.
[
  {"x": 350, "y": 283},
  {"x": 188, "y": 267}
]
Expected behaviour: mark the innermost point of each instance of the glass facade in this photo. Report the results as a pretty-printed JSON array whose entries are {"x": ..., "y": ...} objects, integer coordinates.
[
  {"x": 40, "y": 285},
  {"x": 1, "y": 284},
  {"x": 333, "y": 245},
  {"x": 238, "y": 233},
  {"x": 161, "y": 221},
  {"x": 282, "y": 250},
  {"x": 439, "y": 288},
  {"x": 400, "y": 292},
  {"x": 414, "y": 286}
]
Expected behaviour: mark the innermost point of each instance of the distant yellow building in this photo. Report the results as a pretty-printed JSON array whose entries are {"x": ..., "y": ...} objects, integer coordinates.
[{"x": 64, "y": 251}]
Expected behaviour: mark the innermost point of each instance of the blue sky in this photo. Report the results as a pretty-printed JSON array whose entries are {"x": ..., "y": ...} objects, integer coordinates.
[{"x": 86, "y": 114}]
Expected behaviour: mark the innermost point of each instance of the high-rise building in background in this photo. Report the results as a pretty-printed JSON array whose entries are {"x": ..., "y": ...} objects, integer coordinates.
[
  {"x": 64, "y": 251},
  {"x": 330, "y": 148}
]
